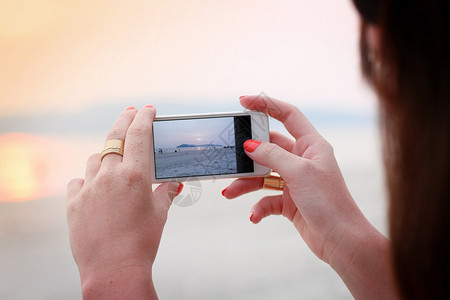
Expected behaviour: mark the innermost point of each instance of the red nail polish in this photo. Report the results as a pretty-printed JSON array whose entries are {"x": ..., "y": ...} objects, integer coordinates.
[
  {"x": 149, "y": 106},
  {"x": 131, "y": 107},
  {"x": 223, "y": 192},
  {"x": 251, "y": 145},
  {"x": 180, "y": 188},
  {"x": 242, "y": 96},
  {"x": 251, "y": 216}
]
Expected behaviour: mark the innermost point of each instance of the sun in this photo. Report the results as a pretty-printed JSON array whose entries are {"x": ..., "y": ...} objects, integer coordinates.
[{"x": 22, "y": 168}]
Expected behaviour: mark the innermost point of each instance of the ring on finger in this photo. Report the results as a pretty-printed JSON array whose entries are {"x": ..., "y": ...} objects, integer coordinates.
[
  {"x": 112, "y": 147},
  {"x": 273, "y": 182}
]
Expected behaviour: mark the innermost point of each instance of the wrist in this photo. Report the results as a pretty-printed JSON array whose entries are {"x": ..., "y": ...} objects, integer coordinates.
[
  {"x": 362, "y": 258},
  {"x": 347, "y": 240},
  {"x": 130, "y": 282}
]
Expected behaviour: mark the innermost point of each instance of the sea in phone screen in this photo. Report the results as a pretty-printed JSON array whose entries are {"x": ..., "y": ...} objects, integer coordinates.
[{"x": 201, "y": 147}]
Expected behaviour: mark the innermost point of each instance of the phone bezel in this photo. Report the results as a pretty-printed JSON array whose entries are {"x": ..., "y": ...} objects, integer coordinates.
[{"x": 260, "y": 132}]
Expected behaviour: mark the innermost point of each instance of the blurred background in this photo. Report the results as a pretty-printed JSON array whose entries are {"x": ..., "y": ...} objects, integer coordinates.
[{"x": 68, "y": 68}]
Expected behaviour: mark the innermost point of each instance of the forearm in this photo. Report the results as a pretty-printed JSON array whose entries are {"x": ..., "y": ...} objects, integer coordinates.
[
  {"x": 363, "y": 261},
  {"x": 127, "y": 283}
]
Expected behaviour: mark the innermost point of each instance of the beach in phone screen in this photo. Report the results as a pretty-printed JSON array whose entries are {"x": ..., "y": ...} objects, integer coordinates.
[{"x": 201, "y": 147}]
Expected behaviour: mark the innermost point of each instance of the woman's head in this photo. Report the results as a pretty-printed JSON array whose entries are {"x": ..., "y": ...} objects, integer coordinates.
[{"x": 405, "y": 53}]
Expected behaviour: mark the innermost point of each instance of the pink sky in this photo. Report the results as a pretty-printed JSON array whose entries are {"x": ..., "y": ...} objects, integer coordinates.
[{"x": 70, "y": 54}]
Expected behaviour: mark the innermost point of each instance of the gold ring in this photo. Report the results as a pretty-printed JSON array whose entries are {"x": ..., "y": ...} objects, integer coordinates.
[
  {"x": 112, "y": 146},
  {"x": 273, "y": 182}
]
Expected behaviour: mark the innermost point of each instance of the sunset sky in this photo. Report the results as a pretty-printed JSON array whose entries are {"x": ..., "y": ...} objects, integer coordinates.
[
  {"x": 170, "y": 134},
  {"x": 58, "y": 59},
  {"x": 66, "y": 55}
]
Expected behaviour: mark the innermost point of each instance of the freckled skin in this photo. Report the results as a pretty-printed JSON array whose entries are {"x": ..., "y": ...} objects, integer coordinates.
[{"x": 115, "y": 220}]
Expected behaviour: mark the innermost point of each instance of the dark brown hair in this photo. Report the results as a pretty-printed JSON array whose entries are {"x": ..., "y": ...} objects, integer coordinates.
[{"x": 411, "y": 75}]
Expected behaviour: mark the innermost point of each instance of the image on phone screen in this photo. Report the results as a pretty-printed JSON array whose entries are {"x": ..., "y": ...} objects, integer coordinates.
[{"x": 201, "y": 146}]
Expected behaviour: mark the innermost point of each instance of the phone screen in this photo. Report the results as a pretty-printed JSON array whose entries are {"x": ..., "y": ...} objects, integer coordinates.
[{"x": 201, "y": 146}]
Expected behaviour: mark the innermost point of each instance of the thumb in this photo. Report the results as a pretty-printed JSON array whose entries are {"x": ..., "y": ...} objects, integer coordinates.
[
  {"x": 273, "y": 156},
  {"x": 165, "y": 192}
]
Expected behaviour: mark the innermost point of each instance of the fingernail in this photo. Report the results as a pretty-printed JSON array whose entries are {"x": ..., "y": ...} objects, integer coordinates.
[
  {"x": 223, "y": 192},
  {"x": 180, "y": 188},
  {"x": 149, "y": 106},
  {"x": 242, "y": 96},
  {"x": 251, "y": 216},
  {"x": 131, "y": 107},
  {"x": 251, "y": 145}
]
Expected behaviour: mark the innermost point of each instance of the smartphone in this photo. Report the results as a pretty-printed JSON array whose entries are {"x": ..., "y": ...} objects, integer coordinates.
[{"x": 206, "y": 146}]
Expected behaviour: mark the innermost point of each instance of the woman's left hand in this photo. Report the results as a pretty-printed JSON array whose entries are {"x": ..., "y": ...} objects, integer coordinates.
[{"x": 115, "y": 220}]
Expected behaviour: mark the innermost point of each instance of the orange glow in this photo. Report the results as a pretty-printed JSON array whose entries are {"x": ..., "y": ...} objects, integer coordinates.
[
  {"x": 25, "y": 17},
  {"x": 22, "y": 167},
  {"x": 95, "y": 51}
]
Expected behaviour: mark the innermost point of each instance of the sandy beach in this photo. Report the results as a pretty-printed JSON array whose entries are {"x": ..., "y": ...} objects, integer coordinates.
[{"x": 185, "y": 163}]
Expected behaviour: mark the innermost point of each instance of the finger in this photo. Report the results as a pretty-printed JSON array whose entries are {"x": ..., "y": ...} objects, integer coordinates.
[
  {"x": 273, "y": 156},
  {"x": 282, "y": 141},
  {"x": 242, "y": 186},
  {"x": 74, "y": 187},
  {"x": 92, "y": 166},
  {"x": 269, "y": 205},
  {"x": 138, "y": 140},
  {"x": 118, "y": 132},
  {"x": 165, "y": 193},
  {"x": 292, "y": 118}
]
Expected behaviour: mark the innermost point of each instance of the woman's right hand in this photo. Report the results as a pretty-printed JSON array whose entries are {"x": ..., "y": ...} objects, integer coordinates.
[{"x": 315, "y": 197}]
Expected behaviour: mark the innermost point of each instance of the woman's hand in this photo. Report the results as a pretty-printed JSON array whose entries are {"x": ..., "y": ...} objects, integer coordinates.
[
  {"x": 315, "y": 198},
  {"x": 115, "y": 220}
]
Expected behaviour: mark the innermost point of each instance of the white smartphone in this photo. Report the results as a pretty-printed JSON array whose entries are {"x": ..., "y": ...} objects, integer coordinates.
[{"x": 206, "y": 146}]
